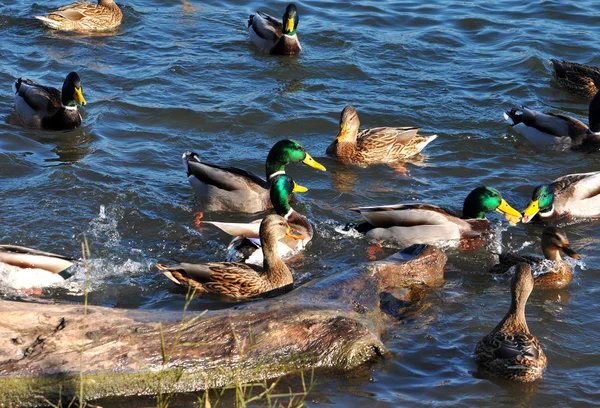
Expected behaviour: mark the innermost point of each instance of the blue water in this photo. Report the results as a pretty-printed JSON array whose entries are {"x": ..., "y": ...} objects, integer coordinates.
[{"x": 182, "y": 75}]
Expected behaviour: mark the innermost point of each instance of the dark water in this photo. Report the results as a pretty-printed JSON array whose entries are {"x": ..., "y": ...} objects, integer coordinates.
[{"x": 182, "y": 75}]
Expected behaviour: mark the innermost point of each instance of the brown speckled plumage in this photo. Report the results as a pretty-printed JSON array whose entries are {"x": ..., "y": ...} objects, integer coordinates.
[
  {"x": 376, "y": 145},
  {"x": 510, "y": 351},
  {"x": 238, "y": 280},
  {"x": 85, "y": 17},
  {"x": 579, "y": 79}
]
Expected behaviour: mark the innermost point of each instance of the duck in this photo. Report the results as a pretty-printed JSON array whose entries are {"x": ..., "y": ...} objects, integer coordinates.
[
  {"x": 84, "y": 17},
  {"x": 278, "y": 37},
  {"x": 240, "y": 280},
  {"x": 376, "y": 145},
  {"x": 557, "y": 131},
  {"x": 568, "y": 197},
  {"x": 550, "y": 272},
  {"x": 579, "y": 79},
  {"x": 28, "y": 268},
  {"x": 409, "y": 224},
  {"x": 235, "y": 190},
  {"x": 510, "y": 351},
  {"x": 246, "y": 244},
  {"x": 43, "y": 107}
]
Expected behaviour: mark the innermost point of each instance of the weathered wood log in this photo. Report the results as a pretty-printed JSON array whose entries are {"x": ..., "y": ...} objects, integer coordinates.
[{"x": 333, "y": 322}]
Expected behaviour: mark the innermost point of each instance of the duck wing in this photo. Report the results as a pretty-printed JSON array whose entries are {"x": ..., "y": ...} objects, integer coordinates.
[
  {"x": 406, "y": 215},
  {"x": 39, "y": 97},
  {"x": 226, "y": 178},
  {"x": 266, "y": 26}
]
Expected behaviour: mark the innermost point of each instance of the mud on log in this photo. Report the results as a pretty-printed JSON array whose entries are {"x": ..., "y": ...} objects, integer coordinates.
[{"x": 333, "y": 322}]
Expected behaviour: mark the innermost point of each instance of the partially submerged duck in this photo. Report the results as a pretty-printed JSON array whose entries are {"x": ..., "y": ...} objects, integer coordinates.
[
  {"x": 84, "y": 17},
  {"x": 275, "y": 36},
  {"x": 579, "y": 79},
  {"x": 43, "y": 107},
  {"x": 232, "y": 189},
  {"x": 376, "y": 145},
  {"x": 239, "y": 280},
  {"x": 510, "y": 351},
  {"x": 26, "y": 268},
  {"x": 246, "y": 244},
  {"x": 567, "y": 197},
  {"x": 557, "y": 130},
  {"x": 551, "y": 272},
  {"x": 428, "y": 224}
]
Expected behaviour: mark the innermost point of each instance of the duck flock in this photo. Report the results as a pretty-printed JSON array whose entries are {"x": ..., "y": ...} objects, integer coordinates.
[{"x": 510, "y": 351}]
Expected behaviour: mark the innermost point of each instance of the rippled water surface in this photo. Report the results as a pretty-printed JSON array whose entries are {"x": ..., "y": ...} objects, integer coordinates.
[{"x": 182, "y": 75}]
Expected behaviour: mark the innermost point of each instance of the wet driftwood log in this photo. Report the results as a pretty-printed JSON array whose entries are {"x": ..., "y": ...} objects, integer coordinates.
[{"x": 332, "y": 322}]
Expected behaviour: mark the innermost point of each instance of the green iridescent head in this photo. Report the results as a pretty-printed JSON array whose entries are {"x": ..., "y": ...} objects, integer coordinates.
[
  {"x": 282, "y": 187},
  {"x": 542, "y": 200},
  {"x": 483, "y": 200},
  {"x": 290, "y": 19},
  {"x": 288, "y": 151}
]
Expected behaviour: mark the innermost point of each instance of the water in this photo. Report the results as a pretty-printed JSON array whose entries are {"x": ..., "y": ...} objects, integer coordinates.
[{"x": 182, "y": 75}]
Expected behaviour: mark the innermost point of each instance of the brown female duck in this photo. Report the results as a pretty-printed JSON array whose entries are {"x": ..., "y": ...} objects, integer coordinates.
[
  {"x": 376, "y": 145},
  {"x": 510, "y": 351},
  {"x": 579, "y": 79},
  {"x": 551, "y": 272},
  {"x": 83, "y": 16},
  {"x": 239, "y": 280}
]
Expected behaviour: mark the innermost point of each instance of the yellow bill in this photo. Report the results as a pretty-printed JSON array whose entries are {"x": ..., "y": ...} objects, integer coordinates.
[
  {"x": 78, "y": 95},
  {"x": 513, "y": 216},
  {"x": 531, "y": 211},
  {"x": 309, "y": 161},
  {"x": 299, "y": 189},
  {"x": 294, "y": 236},
  {"x": 290, "y": 25}
]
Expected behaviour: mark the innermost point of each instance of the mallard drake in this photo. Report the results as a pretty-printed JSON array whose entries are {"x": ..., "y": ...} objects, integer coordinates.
[
  {"x": 246, "y": 244},
  {"x": 376, "y": 145},
  {"x": 556, "y": 130},
  {"x": 275, "y": 36},
  {"x": 510, "y": 351},
  {"x": 579, "y": 79},
  {"x": 550, "y": 272},
  {"x": 44, "y": 107},
  {"x": 236, "y": 190},
  {"x": 567, "y": 197},
  {"x": 85, "y": 17},
  {"x": 410, "y": 224},
  {"x": 26, "y": 268},
  {"x": 239, "y": 280}
]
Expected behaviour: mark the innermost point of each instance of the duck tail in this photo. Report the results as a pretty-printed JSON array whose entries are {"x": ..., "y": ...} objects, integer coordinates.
[
  {"x": 18, "y": 85},
  {"x": 49, "y": 22},
  {"x": 250, "y": 19}
]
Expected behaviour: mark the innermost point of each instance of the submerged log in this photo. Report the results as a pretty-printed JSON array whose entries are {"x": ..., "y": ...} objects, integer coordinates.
[{"x": 334, "y": 322}]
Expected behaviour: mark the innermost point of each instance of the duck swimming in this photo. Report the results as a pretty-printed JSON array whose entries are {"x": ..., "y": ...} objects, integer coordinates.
[
  {"x": 567, "y": 197},
  {"x": 510, "y": 351},
  {"x": 376, "y": 145},
  {"x": 579, "y": 79},
  {"x": 239, "y": 280},
  {"x": 43, "y": 107},
  {"x": 409, "y": 224},
  {"x": 555, "y": 130},
  {"x": 84, "y": 17},
  {"x": 275, "y": 36},
  {"x": 232, "y": 189},
  {"x": 550, "y": 272}
]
